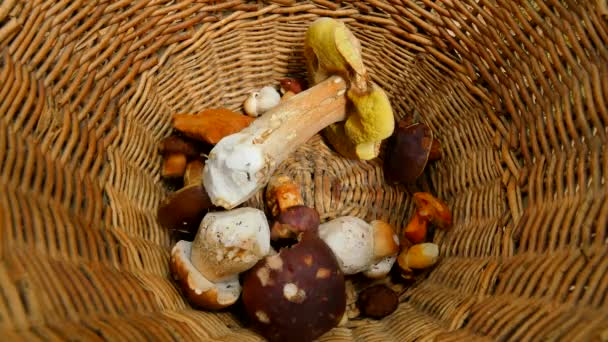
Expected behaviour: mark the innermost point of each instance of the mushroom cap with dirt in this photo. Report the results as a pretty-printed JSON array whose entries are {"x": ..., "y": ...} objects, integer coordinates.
[{"x": 296, "y": 295}]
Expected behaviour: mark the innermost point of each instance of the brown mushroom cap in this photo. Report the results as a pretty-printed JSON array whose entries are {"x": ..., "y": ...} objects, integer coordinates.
[
  {"x": 199, "y": 291},
  {"x": 177, "y": 145},
  {"x": 184, "y": 209},
  {"x": 377, "y": 301},
  {"x": 407, "y": 153},
  {"x": 295, "y": 220},
  {"x": 296, "y": 295}
]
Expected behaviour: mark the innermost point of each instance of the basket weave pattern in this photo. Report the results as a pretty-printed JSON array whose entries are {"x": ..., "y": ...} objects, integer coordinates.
[{"x": 516, "y": 92}]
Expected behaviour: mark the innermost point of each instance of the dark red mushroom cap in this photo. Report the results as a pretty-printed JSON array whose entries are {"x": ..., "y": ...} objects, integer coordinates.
[
  {"x": 295, "y": 220},
  {"x": 407, "y": 153},
  {"x": 296, "y": 295}
]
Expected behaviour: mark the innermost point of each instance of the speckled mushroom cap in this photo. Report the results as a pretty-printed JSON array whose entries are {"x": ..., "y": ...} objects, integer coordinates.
[{"x": 297, "y": 294}]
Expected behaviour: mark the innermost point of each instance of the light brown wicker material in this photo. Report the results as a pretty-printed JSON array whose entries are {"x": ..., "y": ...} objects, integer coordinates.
[{"x": 515, "y": 90}]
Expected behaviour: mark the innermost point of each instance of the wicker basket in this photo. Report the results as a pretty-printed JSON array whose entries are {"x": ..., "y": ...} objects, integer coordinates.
[{"x": 516, "y": 91}]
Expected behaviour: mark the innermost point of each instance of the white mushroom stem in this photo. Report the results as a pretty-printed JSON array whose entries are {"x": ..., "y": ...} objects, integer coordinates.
[
  {"x": 241, "y": 164},
  {"x": 360, "y": 246},
  {"x": 381, "y": 268},
  {"x": 230, "y": 242}
]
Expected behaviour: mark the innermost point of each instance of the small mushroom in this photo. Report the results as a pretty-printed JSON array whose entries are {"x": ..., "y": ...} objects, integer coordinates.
[
  {"x": 293, "y": 85},
  {"x": 290, "y": 87},
  {"x": 281, "y": 193},
  {"x": 230, "y": 242},
  {"x": 416, "y": 229},
  {"x": 296, "y": 295},
  {"x": 408, "y": 152},
  {"x": 198, "y": 290},
  {"x": 428, "y": 209},
  {"x": 291, "y": 216},
  {"x": 176, "y": 151},
  {"x": 359, "y": 245},
  {"x": 174, "y": 165},
  {"x": 434, "y": 209},
  {"x": 377, "y": 301},
  {"x": 184, "y": 209},
  {"x": 177, "y": 145},
  {"x": 259, "y": 102},
  {"x": 293, "y": 221},
  {"x": 194, "y": 172},
  {"x": 419, "y": 256}
]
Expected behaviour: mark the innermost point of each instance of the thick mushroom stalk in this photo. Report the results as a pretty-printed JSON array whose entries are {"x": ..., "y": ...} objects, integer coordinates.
[
  {"x": 230, "y": 242},
  {"x": 241, "y": 164}
]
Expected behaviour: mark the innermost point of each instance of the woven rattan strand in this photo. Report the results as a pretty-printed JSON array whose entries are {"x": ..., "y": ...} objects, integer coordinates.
[{"x": 515, "y": 90}]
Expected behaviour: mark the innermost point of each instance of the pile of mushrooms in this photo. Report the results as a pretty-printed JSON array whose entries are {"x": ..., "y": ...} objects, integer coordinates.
[{"x": 287, "y": 266}]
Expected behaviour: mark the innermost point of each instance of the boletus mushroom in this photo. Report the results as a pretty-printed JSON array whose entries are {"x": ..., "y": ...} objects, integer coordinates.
[
  {"x": 290, "y": 87},
  {"x": 291, "y": 216},
  {"x": 176, "y": 151},
  {"x": 184, "y": 209},
  {"x": 408, "y": 151},
  {"x": 377, "y": 301},
  {"x": 296, "y": 295},
  {"x": 429, "y": 209},
  {"x": 198, "y": 290},
  {"x": 418, "y": 256},
  {"x": 241, "y": 164},
  {"x": 230, "y": 242},
  {"x": 360, "y": 246},
  {"x": 259, "y": 102}
]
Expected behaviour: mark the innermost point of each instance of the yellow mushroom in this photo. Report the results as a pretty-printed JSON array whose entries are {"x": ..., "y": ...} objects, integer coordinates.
[{"x": 330, "y": 48}]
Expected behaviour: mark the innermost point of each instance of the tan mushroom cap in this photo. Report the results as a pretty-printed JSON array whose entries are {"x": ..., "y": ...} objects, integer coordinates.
[
  {"x": 199, "y": 291},
  {"x": 386, "y": 241}
]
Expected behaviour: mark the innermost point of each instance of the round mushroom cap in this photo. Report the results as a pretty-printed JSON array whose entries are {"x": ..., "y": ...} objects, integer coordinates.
[
  {"x": 295, "y": 220},
  {"x": 386, "y": 241},
  {"x": 184, "y": 209},
  {"x": 199, "y": 291},
  {"x": 352, "y": 241},
  {"x": 377, "y": 301},
  {"x": 296, "y": 295},
  {"x": 407, "y": 153}
]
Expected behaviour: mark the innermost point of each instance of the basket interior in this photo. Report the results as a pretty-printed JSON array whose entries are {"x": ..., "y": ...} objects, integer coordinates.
[{"x": 516, "y": 92}]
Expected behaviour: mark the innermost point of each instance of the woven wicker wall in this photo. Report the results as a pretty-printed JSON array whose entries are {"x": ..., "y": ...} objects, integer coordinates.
[{"x": 516, "y": 91}]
